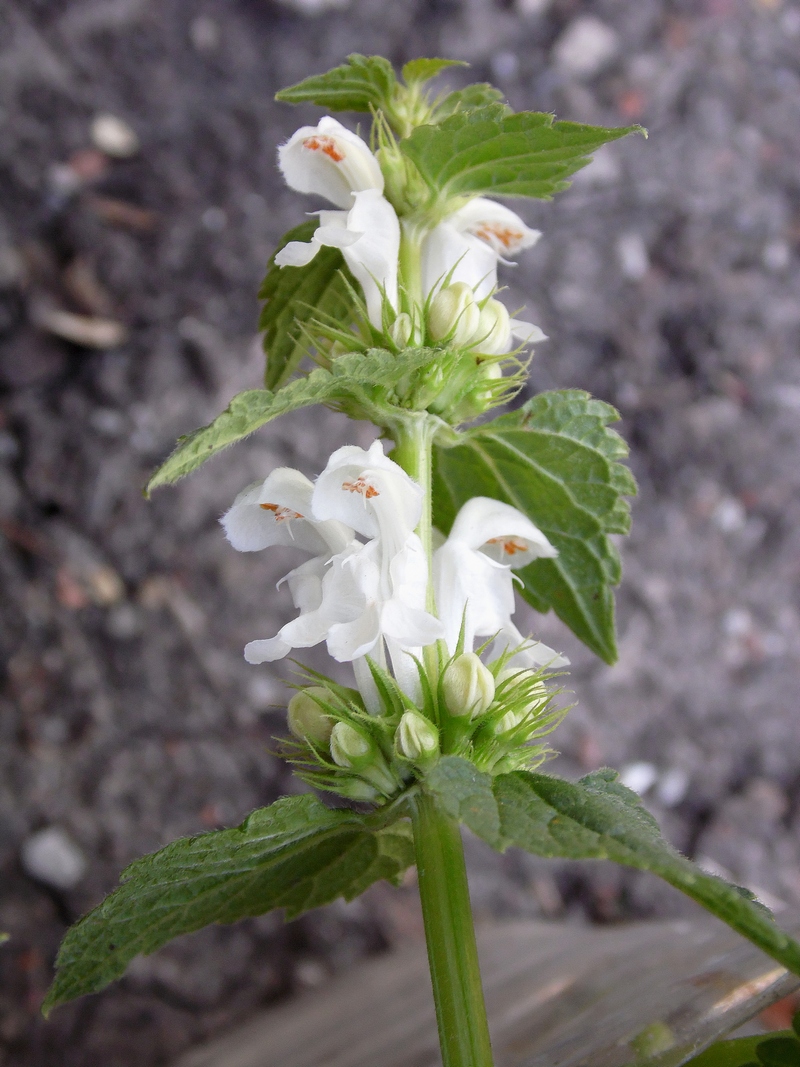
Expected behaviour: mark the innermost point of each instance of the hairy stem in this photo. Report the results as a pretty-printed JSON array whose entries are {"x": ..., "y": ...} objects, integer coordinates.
[{"x": 450, "y": 936}]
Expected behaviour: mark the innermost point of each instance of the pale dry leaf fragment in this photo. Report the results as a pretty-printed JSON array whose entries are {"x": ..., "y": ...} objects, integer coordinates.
[{"x": 87, "y": 331}]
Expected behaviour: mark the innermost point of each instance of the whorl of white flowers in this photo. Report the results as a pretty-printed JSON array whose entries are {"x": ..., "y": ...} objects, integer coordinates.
[
  {"x": 462, "y": 250},
  {"x": 370, "y": 590}
]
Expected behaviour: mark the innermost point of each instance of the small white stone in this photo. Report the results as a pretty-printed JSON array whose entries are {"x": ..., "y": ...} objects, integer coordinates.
[
  {"x": 204, "y": 34},
  {"x": 639, "y": 777},
  {"x": 53, "y": 858},
  {"x": 776, "y": 256},
  {"x": 634, "y": 261},
  {"x": 738, "y": 622},
  {"x": 214, "y": 219},
  {"x": 505, "y": 66},
  {"x": 113, "y": 136},
  {"x": 787, "y": 396},
  {"x": 729, "y": 515},
  {"x": 585, "y": 47},
  {"x": 672, "y": 787}
]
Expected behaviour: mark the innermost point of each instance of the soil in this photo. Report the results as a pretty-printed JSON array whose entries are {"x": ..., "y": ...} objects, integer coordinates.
[{"x": 667, "y": 280}]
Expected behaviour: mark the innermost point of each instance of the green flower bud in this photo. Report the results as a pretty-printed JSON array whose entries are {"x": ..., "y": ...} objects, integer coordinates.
[
  {"x": 355, "y": 751},
  {"x": 494, "y": 329},
  {"x": 307, "y": 720},
  {"x": 509, "y": 721},
  {"x": 454, "y": 315},
  {"x": 350, "y": 748},
  {"x": 402, "y": 330},
  {"x": 468, "y": 686},
  {"x": 417, "y": 738},
  {"x": 523, "y": 688},
  {"x": 405, "y": 188},
  {"x": 535, "y": 689}
]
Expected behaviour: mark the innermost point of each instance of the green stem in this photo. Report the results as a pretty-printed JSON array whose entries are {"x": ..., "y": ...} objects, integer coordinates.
[
  {"x": 411, "y": 265},
  {"x": 450, "y": 935},
  {"x": 413, "y": 452}
]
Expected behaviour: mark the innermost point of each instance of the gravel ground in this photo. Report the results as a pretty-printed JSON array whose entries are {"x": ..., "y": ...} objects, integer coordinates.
[{"x": 667, "y": 281}]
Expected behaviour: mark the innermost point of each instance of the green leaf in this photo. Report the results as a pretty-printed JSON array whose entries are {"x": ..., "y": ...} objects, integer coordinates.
[
  {"x": 294, "y": 295},
  {"x": 595, "y": 818},
  {"x": 491, "y": 151},
  {"x": 471, "y": 98},
  {"x": 736, "y": 1053},
  {"x": 360, "y": 84},
  {"x": 422, "y": 70},
  {"x": 779, "y": 1051},
  {"x": 297, "y": 854},
  {"x": 364, "y": 381},
  {"x": 557, "y": 461}
]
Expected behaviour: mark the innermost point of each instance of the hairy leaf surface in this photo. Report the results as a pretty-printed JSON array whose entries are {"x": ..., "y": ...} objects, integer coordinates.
[
  {"x": 595, "y": 818},
  {"x": 489, "y": 151},
  {"x": 295, "y": 295},
  {"x": 360, "y": 84},
  {"x": 422, "y": 70},
  {"x": 364, "y": 380},
  {"x": 296, "y": 854},
  {"x": 558, "y": 462}
]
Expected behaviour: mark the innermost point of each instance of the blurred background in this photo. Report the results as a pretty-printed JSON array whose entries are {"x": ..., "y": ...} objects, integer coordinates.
[{"x": 139, "y": 202}]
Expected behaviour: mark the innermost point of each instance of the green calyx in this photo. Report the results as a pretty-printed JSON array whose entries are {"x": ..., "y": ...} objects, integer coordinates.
[{"x": 494, "y": 717}]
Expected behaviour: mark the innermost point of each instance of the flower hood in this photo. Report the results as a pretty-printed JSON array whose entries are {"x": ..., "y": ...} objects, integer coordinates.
[{"x": 329, "y": 161}]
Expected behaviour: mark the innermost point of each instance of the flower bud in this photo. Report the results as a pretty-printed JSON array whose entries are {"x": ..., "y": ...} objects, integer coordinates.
[
  {"x": 454, "y": 315},
  {"x": 522, "y": 687},
  {"x": 509, "y": 721},
  {"x": 535, "y": 689},
  {"x": 402, "y": 330},
  {"x": 417, "y": 738},
  {"x": 468, "y": 686},
  {"x": 350, "y": 748},
  {"x": 307, "y": 720},
  {"x": 493, "y": 335},
  {"x": 355, "y": 751}
]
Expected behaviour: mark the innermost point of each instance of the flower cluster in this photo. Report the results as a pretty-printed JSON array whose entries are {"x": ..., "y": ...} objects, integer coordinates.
[
  {"x": 364, "y": 592},
  {"x": 452, "y": 301},
  {"x": 413, "y": 621}
]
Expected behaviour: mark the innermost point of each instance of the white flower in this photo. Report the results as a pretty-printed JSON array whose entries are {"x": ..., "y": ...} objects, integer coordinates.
[
  {"x": 366, "y": 490},
  {"x": 329, "y": 160},
  {"x": 362, "y": 599},
  {"x": 470, "y": 242},
  {"x": 371, "y": 493},
  {"x": 278, "y": 512},
  {"x": 473, "y": 579},
  {"x": 369, "y": 238}
]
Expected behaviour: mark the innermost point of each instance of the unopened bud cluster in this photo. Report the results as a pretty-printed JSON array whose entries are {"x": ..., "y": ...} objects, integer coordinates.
[
  {"x": 456, "y": 317},
  {"x": 493, "y": 714}
]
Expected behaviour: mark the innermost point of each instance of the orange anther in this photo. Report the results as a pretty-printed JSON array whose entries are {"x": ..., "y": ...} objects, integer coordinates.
[
  {"x": 509, "y": 545},
  {"x": 504, "y": 235},
  {"x": 361, "y": 485},
  {"x": 281, "y": 513},
  {"x": 326, "y": 145}
]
